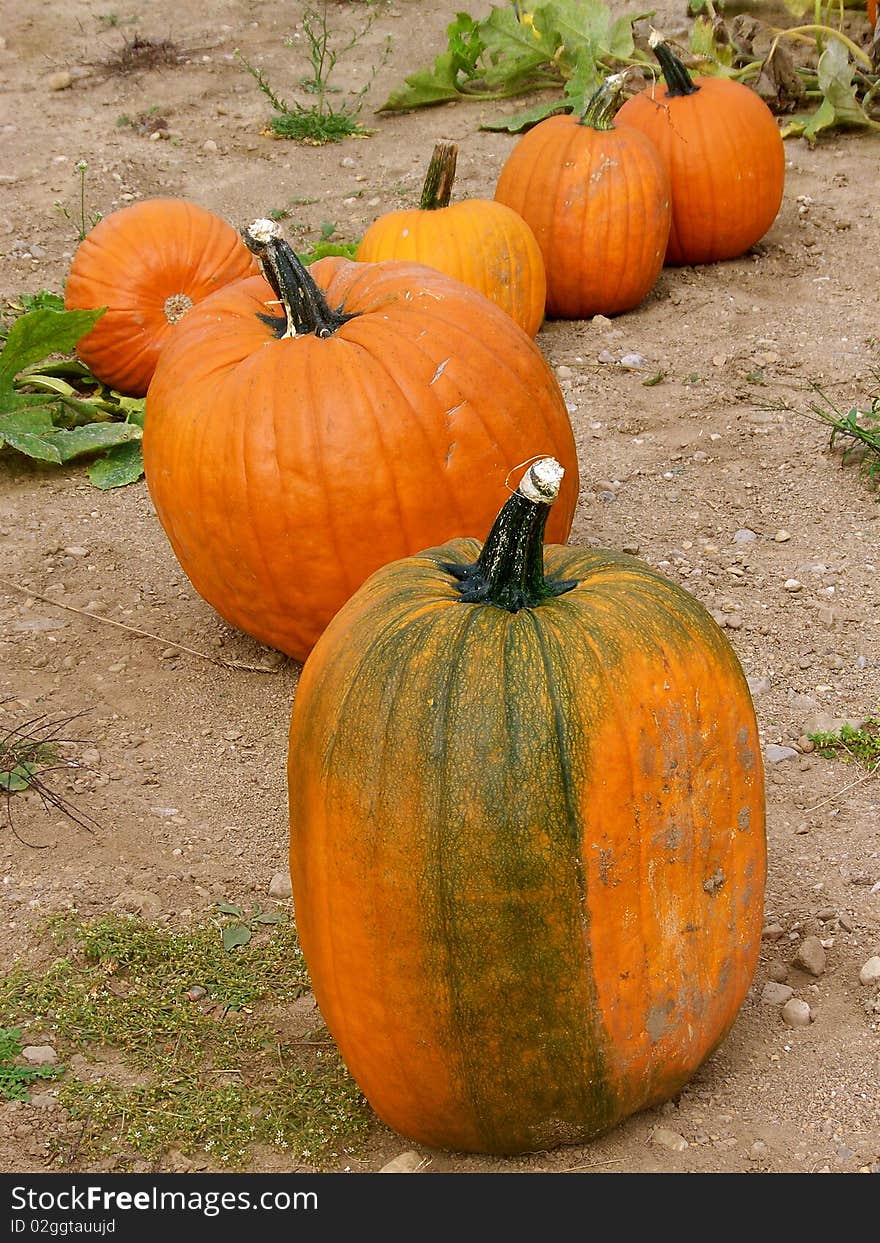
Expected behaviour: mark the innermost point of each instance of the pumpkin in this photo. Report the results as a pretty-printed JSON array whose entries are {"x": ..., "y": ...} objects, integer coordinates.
[
  {"x": 478, "y": 241},
  {"x": 148, "y": 264},
  {"x": 872, "y": 13},
  {"x": 724, "y": 154},
  {"x": 597, "y": 199},
  {"x": 390, "y": 385},
  {"x": 527, "y": 836}
]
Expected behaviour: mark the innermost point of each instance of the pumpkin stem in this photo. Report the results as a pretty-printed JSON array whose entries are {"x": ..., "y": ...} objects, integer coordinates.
[
  {"x": 509, "y": 572},
  {"x": 603, "y": 104},
  {"x": 305, "y": 308},
  {"x": 437, "y": 190},
  {"x": 678, "y": 80}
]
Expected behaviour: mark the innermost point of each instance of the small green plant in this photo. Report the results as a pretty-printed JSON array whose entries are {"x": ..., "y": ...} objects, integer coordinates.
[
  {"x": 325, "y": 246},
  {"x": 203, "y": 1038},
  {"x": 85, "y": 220},
  {"x": 319, "y": 122},
  {"x": 55, "y": 410},
  {"x": 241, "y": 929},
  {"x": 15, "y": 1080},
  {"x": 30, "y": 752},
  {"x": 855, "y": 431},
  {"x": 860, "y": 744}
]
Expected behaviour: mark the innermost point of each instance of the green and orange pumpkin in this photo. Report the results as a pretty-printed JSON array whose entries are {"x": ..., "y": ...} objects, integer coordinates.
[{"x": 527, "y": 838}]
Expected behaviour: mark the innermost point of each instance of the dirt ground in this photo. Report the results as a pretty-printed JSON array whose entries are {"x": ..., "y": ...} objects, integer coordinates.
[{"x": 716, "y": 475}]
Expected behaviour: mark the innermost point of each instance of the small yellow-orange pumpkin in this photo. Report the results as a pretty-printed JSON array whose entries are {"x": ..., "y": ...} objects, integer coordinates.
[
  {"x": 724, "y": 154},
  {"x": 478, "y": 241},
  {"x": 597, "y": 199},
  {"x": 527, "y": 836},
  {"x": 288, "y": 456},
  {"x": 148, "y": 263}
]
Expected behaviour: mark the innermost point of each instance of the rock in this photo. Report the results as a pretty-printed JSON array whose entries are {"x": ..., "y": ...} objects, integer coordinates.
[
  {"x": 633, "y": 362},
  {"x": 744, "y": 536},
  {"x": 406, "y": 1163},
  {"x": 775, "y": 993},
  {"x": 210, "y": 146},
  {"x": 759, "y": 684},
  {"x": 772, "y": 932},
  {"x": 777, "y": 971},
  {"x": 138, "y": 902},
  {"x": 796, "y": 1013},
  {"x": 811, "y": 956},
  {"x": 792, "y": 585},
  {"x": 43, "y": 1100},
  {"x": 279, "y": 885},
  {"x": 669, "y": 1139},
  {"x": 758, "y": 1150},
  {"x": 775, "y": 754},
  {"x": 782, "y": 537},
  {"x": 39, "y": 1055},
  {"x": 870, "y": 972},
  {"x": 564, "y": 373},
  {"x": 59, "y": 81}
]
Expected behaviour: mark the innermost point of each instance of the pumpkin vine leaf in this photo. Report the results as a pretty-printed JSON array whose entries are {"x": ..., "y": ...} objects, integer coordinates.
[{"x": 54, "y": 410}]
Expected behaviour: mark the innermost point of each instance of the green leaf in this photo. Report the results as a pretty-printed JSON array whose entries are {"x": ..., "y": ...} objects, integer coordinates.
[
  {"x": 235, "y": 934},
  {"x": 25, "y": 422},
  {"x": 589, "y": 22},
  {"x": 428, "y": 86},
  {"x": 226, "y": 908},
  {"x": 122, "y": 465},
  {"x": 17, "y": 778},
  {"x": 525, "y": 120},
  {"x": 92, "y": 437},
  {"x": 38, "y": 334},
  {"x": 33, "y": 446},
  {"x": 840, "y": 107},
  {"x": 271, "y": 917}
]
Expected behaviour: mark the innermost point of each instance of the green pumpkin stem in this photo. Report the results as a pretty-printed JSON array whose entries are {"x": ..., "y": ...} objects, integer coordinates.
[
  {"x": 437, "y": 190},
  {"x": 304, "y": 306},
  {"x": 509, "y": 572},
  {"x": 678, "y": 80},
  {"x": 603, "y": 104}
]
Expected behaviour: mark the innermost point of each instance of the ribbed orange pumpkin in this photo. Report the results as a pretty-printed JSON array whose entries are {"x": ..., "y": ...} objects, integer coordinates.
[
  {"x": 148, "y": 263},
  {"x": 724, "y": 154},
  {"x": 478, "y": 241},
  {"x": 597, "y": 199},
  {"x": 872, "y": 13},
  {"x": 527, "y": 836},
  {"x": 267, "y": 440}
]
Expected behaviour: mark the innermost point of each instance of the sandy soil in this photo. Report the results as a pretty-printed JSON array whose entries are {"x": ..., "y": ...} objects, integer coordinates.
[{"x": 185, "y": 772}]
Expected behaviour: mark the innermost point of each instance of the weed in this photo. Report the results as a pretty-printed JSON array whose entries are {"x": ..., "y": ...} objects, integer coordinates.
[
  {"x": 14, "y": 1079},
  {"x": 191, "y": 1058},
  {"x": 30, "y": 751},
  {"x": 861, "y": 744},
  {"x": 86, "y": 220},
  {"x": 318, "y": 123},
  {"x": 855, "y": 431},
  {"x": 138, "y": 53}
]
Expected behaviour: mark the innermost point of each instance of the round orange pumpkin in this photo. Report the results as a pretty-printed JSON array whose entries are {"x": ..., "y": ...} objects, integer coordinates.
[
  {"x": 269, "y": 438},
  {"x": 478, "y": 241},
  {"x": 148, "y": 263},
  {"x": 724, "y": 154},
  {"x": 597, "y": 199},
  {"x": 527, "y": 836}
]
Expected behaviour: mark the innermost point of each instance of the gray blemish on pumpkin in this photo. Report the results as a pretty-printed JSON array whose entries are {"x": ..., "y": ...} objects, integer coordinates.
[
  {"x": 658, "y": 1020},
  {"x": 606, "y": 867},
  {"x": 744, "y": 751},
  {"x": 744, "y": 819},
  {"x": 438, "y": 373},
  {"x": 715, "y": 882},
  {"x": 449, "y": 451}
]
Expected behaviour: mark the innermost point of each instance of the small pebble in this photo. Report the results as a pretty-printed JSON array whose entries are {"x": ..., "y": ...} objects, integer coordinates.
[
  {"x": 811, "y": 956},
  {"x": 39, "y": 1055},
  {"x": 792, "y": 585},
  {"x": 279, "y": 885},
  {"x": 59, "y": 81},
  {"x": 775, "y": 754},
  {"x": 744, "y": 536},
  {"x": 564, "y": 373},
  {"x": 776, "y": 994},
  {"x": 796, "y": 1013},
  {"x": 870, "y": 972},
  {"x": 406, "y": 1163},
  {"x": 669, "y": 1139},
  {"x": 210, "y": 146},
  {"x": 633, "y": 362},
  {"x": 777, "y": 971}
]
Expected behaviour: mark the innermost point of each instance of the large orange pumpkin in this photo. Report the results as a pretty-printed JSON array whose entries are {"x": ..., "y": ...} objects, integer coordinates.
[
  {"x": 723, "y": 151},
  {"x": 270, "y": 440},
  {"x": 148, "y": 263},
  {"x": 478, "y": 241},
  {"x": 527, "y": 836},
  {"x": 598, "y": 201}
]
